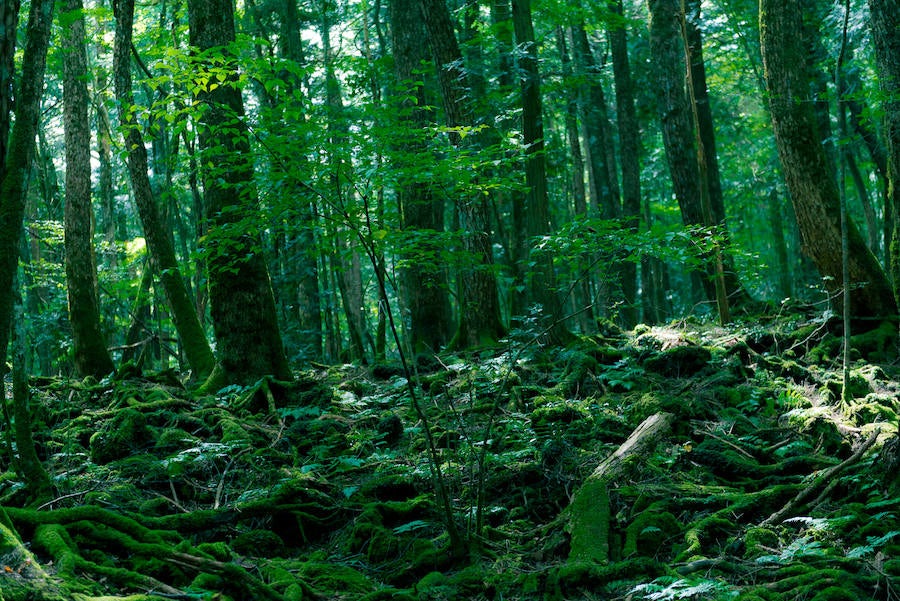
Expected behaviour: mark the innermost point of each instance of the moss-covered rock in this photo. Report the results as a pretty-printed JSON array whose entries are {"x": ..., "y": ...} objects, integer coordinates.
[{"x": 679, "y": 361}]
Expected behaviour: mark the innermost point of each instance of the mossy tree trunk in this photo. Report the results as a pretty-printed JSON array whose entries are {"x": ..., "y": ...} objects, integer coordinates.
[
  {"x": 807, "y": 169},
  {"x": 90, "y": 353},
  {"x": 242, "y": 304},
  {"x": 190, "y": 331},
  {"x": 20, "y": 155}
]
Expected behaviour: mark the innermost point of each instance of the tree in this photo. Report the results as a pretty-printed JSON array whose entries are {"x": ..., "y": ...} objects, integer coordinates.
[
  {"x": 20, "y": 155},
  {"x": 541, "y": 282},
  {"x": 187, "y": 323},
  {"x": 91, "y": 356},
  {"x": 422, "y": 211},
  {"x": 479, "y": 304},
  {"x": 806, "y": 168},
  {"x": 886, "y": 38},
  {"x": 629, "y": 148},
  {"x": 242, "y": 305}
]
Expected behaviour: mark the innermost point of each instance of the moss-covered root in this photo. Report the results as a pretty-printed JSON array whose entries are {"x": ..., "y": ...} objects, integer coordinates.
[{"x": 22, "y": 577}]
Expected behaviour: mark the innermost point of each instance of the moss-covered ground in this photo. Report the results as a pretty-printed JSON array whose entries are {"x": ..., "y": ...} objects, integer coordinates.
[{"x": 766, "y": 486}]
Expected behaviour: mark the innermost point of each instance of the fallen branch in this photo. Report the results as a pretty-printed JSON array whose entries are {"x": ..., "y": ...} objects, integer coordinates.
[{"x": 821, "y": 479}]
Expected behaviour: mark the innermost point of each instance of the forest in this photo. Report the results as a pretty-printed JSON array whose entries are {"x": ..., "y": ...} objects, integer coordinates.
[{"x": 449, "y": 299}]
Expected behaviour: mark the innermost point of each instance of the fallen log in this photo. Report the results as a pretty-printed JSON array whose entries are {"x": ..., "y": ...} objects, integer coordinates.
[{"x": 588, "y": 514}]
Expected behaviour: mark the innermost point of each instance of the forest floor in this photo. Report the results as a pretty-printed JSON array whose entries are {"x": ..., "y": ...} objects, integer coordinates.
[{"x": 681, "y": 462}]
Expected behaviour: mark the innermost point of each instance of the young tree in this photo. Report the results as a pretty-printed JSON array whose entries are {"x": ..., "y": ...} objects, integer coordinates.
[
  {"x": 242, "y": 304},
  {"x": 90, "y": 353},
  {"x": 187, "y": 323},
  {"x": 535, "y": 213},
  {"x": 806, "y": 168}
]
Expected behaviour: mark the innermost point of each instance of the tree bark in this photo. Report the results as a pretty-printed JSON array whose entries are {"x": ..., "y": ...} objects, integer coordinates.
[
  {"x": 629, "y": 150},
  {"x": 809, "y": 178},
  {"x": 479, "y": 304},
  {"x": 674, "y": 108},
  {"x": 20, "y": 155},
  {"x": 242, "y": 304},
  {"x": 422, "y": 211},
  {"x": 90, "y": 353},
  {"x": 886, "y": 37},
  {"x": 196, "y": 347}
]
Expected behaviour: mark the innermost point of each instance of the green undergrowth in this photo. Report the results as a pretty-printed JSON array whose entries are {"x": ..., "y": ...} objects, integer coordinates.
[{"x": 323, "y": 488}]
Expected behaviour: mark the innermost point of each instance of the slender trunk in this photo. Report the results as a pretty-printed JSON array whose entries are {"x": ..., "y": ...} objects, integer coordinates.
[
  {"x": 196, "y": 347},
  {"x": 90, "y": 353},
  {"x": 629, "y": 151},
  {"x": 19, "y": 156}
]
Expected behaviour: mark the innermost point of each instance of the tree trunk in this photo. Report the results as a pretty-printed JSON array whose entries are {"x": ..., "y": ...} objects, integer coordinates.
[
  {"x": 90, "y": 354},
  {"x": 20, "y": 155},
  {"x": 425, "y": 283},
  {"x": 810, "y": 181},
  {"x": 190, "y": 331},
  {"x": 479, "y": 305},
  {"x": 541, "y": 282},
  {"x": 9, "y": 21},
  {"x": 629, "y": 151},
  {"x": 242, "y": 304},
  {"x": 674, "y": 107},
  {"x": 886, "y": 37}
]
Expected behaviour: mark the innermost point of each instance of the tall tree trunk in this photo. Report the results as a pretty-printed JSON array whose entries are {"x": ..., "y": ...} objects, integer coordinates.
[
  {"x": 9, "y": 21},
  {"x": 91, "y": 356},
  {"x": 886, "y": 36},
  {"x": 541, "y": 282},
  {"x": 629, "y": 150},
  {"x": 807, "y": 171},
  {"x": 479, "y": 305},
  {"x": 425, "y": 285},
  {"x": 20, "y": 155},
  {"x": 676, "y": 116},
  {"x": 193, "y": 339},
  {"x": 242, "y": 305}
]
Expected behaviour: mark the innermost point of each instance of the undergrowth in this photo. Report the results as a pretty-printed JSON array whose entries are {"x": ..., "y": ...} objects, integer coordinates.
[{"x": 766, "y": 486}]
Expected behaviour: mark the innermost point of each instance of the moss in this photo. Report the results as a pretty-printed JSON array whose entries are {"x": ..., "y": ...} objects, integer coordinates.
[
  {"x": 759, "y": 542},
  {"x": 126, "y": 433},
  {"x": 589, "y": 523},
  {"x": 258, "y": 543},
  {"x": 571, "y": 580},
  {"x": 678, "y": 362},
  {"x": 390, "y": 593},
  {"x": 648, "y": 532},
  {"x": 834, "y": 593},
  {"x": 331, "y": 576}
]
